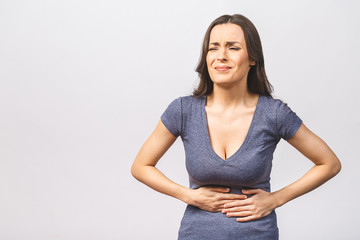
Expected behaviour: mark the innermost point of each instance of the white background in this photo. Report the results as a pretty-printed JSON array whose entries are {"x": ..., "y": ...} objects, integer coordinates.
[{"x": 83, "y": 84}]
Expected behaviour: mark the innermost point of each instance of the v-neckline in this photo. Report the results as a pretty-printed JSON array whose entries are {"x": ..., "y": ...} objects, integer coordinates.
[{"x": 207, "y": 135}]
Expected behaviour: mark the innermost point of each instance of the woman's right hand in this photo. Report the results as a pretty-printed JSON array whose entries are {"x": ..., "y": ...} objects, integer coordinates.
[{"x": 212, "y": 199}]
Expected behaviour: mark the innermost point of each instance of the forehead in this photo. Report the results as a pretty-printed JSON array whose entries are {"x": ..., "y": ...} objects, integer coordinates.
[{"x": 227, "y": 32}]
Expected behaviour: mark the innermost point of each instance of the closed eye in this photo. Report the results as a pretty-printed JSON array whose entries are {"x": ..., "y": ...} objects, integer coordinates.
[{"x": 234, "y": 48}]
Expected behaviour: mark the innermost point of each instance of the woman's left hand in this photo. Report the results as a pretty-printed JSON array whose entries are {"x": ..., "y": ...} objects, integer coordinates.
[{"x": 258, "y": 206}]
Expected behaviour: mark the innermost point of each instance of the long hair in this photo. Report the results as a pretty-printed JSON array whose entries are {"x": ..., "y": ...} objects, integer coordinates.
[{"x": 257, "y": 81}]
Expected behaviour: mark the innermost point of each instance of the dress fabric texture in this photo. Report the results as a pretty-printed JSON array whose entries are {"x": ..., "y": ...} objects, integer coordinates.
[{"x": 248, "y": 167}]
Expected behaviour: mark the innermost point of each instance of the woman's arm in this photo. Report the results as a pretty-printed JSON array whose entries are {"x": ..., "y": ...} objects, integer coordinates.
[
  {"x": 143, "y": 169},
  {"x": 327, "y": 165}
]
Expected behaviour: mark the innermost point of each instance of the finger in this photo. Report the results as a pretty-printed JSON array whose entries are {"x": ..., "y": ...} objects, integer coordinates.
[
  {"x": 237, "y": 209},
  {"x": 237, "y": 203},
  {"x": 213, "y": 208},
  {"x": 251, "y": 191},
  {"x": 218, "y": 209},
  {"x": 224, "y": 202},
  {"x": 239, "y": 214},
  {"x": 246, "y": 219},
  {"x": 232, "y": 196},
  {"x": 218, "y": 189},
  {"x": 220, "y": 204}
]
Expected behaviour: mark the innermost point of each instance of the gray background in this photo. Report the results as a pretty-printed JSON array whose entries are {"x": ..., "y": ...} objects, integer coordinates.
[{"x": 83, "y": 84}]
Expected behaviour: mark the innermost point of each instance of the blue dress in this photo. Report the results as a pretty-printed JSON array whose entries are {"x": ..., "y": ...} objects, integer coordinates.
[{"x": 248, "y": 167}]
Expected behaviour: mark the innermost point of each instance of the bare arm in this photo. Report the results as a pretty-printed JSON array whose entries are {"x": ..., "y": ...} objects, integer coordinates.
[
  {"x": 144, "y": 170},
  {"x": 327, "y": 165}
]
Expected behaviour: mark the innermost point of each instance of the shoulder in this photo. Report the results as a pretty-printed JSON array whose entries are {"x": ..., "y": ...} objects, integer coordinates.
[
  {"x": 273, "y": 102},
  {"x": 184, "y": 104},
  {"x": 177, "y": 113},
  {"x": 274, "y": 105},
  {"x": 187, "y": 99},
  {"x": 271, "y": 105},
  {"x": 287, "y": 122},
  {"x": 189, "y": 102}
]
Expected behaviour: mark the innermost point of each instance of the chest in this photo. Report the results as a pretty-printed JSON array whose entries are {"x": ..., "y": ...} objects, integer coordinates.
[
  {"x": 227, "y": 132},
  {"x": 229, "y": 150}
]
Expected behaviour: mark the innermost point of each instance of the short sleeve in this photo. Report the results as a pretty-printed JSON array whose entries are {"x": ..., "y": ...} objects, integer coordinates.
[
  {"x": 287, "y": 121},
  {"x": 172, "y": 117}
]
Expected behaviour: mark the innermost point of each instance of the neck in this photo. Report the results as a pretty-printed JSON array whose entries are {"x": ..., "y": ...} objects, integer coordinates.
[{"x": 231, "y": 96}]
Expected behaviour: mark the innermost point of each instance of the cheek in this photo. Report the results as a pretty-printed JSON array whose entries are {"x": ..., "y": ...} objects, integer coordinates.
[
  {"x": 241, "y": 61},
  {"x": 209, "y": 59}
]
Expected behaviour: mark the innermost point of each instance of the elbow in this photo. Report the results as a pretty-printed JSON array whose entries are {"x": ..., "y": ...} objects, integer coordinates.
[
  {"x": 336, "y": 167},
  {"x": 138, "y": 171},
  {"x": 134, "y": 171}
]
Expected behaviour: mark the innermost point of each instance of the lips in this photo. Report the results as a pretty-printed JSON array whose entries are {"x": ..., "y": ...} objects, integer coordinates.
[{"x": 222, "y": 68}]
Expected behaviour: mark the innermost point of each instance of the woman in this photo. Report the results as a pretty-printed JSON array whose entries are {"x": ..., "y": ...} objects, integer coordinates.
[{"x": 230, "y": 127}]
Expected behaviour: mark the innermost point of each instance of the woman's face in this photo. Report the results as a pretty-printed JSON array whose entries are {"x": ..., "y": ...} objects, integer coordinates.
[{"x": 227, "y": 58}]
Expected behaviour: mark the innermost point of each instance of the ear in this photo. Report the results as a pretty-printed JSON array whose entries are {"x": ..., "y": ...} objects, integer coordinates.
[{"x": 252, "y": 63}]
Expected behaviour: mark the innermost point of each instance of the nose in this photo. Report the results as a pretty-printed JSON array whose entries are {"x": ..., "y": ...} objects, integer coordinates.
[{"x": 222, "y": 55}]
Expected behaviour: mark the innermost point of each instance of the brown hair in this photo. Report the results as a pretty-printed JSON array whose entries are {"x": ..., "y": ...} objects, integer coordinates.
[{"x": 257, "y": 81}]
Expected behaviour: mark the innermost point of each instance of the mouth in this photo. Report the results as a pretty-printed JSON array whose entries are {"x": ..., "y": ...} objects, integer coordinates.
[{"x": 222, "y": 68}]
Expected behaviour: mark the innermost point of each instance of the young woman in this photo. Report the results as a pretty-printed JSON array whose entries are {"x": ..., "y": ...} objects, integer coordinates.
[{"x": 230, "y": 127}]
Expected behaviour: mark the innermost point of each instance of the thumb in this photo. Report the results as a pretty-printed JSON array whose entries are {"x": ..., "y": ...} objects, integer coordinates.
[
  {"x": 251, "y": 191},
  {"x": 220, "y": 189}
]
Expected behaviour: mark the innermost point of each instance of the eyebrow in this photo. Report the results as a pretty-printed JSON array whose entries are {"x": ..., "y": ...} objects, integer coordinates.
[{"x": 228, "y": 43}]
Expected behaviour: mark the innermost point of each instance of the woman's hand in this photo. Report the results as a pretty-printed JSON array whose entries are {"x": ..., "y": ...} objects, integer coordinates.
[
  {"x": 212, "y": 199},
  {"x": 258, "y": 206}
]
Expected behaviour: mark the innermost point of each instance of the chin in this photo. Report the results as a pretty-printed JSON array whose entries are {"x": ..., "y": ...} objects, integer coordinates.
[{"x": 224, "y": 81}]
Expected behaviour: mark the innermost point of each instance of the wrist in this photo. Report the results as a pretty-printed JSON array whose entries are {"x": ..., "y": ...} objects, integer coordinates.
[
  {"x": 190, "y": 196},
  {"x": 187, "y": 196},
  {"x": 279, "y": 199}
]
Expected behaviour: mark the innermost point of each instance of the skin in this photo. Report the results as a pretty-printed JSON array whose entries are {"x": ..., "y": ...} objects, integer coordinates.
[{"x": 229, "y": 104}]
